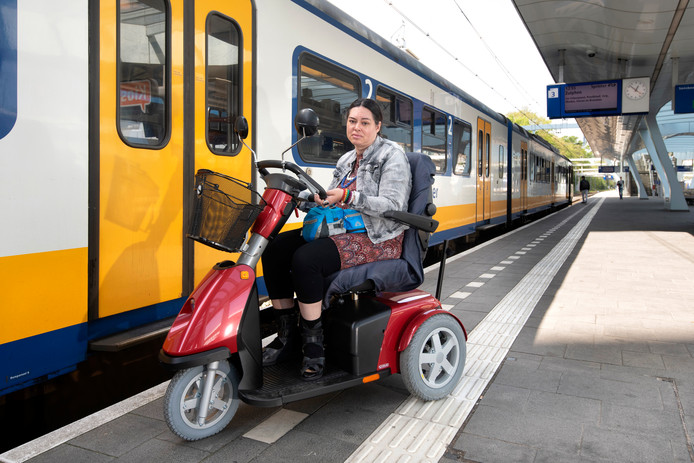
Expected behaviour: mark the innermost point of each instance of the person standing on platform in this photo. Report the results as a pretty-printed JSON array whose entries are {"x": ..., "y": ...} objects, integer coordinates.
[
  {"x": 584, "y": 186},
  {"x": 620, "y": 187}
]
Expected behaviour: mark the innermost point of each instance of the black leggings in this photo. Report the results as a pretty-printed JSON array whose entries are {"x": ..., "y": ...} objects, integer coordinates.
[{"x": 290, "y": 265}]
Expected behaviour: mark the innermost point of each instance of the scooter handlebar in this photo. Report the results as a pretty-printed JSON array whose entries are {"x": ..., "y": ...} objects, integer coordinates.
[{"x": 313, "y": 186}]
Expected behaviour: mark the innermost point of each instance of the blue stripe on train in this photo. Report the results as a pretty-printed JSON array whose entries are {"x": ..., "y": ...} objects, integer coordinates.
[{"x": 37, "y": 358}]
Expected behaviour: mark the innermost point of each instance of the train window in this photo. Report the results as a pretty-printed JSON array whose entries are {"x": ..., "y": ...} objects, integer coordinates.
[
  {"x": 328, "y": 90},
  {"x": 223, "y": 66},
  {"x": 533, "y": 166},
  {"x": 462, "y": 138},
  {"x": 480, "y": 152},
  {"x": 143, "y": 72},
  {"x": 8, "y": 69},
  {"x": 434, "y": 137},
  {"x": 489, "y": 155},
  {"x": 397, "y": 118},
  {"x": 501, "y": 161}
]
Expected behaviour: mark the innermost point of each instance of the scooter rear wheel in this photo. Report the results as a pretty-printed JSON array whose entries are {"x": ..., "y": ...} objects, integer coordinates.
[
  {"x": 433, "y": 362},
  {"x": 183, "y": 398}
]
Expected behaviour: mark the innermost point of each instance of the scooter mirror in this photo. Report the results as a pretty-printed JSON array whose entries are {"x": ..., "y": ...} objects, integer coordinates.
[
  {"x": 306, "y": 122},
  {"x": 241, "y": 127}
]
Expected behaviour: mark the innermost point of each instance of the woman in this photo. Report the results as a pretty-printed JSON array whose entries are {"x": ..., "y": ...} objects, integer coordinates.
[{"x": 372, "y": 178}]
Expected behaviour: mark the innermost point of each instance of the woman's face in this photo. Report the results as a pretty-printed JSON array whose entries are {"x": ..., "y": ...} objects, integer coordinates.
[{"x": 361, "y": 128}]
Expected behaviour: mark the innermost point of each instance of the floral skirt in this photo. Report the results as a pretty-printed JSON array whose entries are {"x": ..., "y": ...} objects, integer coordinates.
[{"x": 357, "y": 249}]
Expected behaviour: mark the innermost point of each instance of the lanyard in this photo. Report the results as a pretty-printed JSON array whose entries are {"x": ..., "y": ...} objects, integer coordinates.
[{"x": 346, "y": 182}]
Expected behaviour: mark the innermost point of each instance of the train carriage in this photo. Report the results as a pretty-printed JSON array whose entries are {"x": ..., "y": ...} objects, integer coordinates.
[{"x": 109, "y": 107}]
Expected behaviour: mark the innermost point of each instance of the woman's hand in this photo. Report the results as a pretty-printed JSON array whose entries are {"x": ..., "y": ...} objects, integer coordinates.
[{"x": 334, "y": 197}]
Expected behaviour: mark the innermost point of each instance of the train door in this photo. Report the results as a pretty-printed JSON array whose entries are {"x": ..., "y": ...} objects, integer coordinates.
[
  {"x": 484, "y": 189},
  {"x": 156, "y": 59},
  {"x": 223, "y": 90},
  {"x": 524, "y": 176}
]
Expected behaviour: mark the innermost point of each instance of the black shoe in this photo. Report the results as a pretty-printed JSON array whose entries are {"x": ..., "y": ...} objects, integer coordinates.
[
  {"x": 313, "y": 363},
  {"x": 286, "y": 344}
]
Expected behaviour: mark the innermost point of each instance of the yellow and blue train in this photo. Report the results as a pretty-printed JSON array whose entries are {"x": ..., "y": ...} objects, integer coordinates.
[{"x": 108, "y": 108}]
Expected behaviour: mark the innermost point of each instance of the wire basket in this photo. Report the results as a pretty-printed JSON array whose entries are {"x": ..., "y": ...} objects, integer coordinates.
[{"x": 223, "y": 211}]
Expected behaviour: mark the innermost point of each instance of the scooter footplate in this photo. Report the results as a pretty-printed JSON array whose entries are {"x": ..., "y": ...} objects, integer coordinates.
[{"x": 282, "y": 384}]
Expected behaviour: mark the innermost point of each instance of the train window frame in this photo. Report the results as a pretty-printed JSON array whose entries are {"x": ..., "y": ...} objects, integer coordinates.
[
  {"x": 234, "y": 108},
  {"x": 455, "y": 152},
  {"x": 392, "y": 113},
  {"x": 441, "y": 167},
  {"x": 502, "y": 161},
  {"x": 320, "y": 141},
  {"x": 145, "y": 84}
]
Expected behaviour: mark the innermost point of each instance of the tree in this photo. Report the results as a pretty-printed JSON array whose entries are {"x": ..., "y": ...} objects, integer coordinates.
[{"x": 568, "y": 146}]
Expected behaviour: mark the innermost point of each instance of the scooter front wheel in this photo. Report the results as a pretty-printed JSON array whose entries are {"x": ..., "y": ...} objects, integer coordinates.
[
  {"x": 433, "y": 362},
  {"x": 184, "y": 411}
]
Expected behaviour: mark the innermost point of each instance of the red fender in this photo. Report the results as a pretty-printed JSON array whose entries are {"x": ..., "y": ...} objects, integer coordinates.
[
  {"x": 211, "y": 316},
  {"x": 414, "y": 325}
]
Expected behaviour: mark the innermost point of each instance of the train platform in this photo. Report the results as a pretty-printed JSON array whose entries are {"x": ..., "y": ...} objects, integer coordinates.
[{"x": 580, "y": 349}]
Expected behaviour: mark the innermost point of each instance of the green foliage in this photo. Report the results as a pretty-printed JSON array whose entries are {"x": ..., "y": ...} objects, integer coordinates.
[
  {"x": 596, "y": 183},
  {"x": 569, "y": 146}
]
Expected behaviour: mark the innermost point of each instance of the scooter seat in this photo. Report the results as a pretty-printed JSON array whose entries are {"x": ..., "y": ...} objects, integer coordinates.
[{"x": 407, "y": 272}]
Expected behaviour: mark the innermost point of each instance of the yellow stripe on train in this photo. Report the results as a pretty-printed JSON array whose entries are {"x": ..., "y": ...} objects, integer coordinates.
[{"x": 43, "y": 292}]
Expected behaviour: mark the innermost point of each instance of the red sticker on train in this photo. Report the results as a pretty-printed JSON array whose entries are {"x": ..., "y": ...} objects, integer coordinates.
[{"x": 136, "y": 93}]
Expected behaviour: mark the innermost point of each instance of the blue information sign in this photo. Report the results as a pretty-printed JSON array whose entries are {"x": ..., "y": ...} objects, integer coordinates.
[
  {"x": 684, "y": 99},
  {"x": 588, "y": 99}
]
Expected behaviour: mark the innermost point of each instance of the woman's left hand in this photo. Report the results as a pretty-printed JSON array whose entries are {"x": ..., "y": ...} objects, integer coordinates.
[{"x": 334, "y": 197}]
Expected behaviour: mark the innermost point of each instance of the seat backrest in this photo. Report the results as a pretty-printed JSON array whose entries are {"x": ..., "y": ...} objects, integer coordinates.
[
  {"x": 407, "y": 272},
  {"x": 423, "y": 171}
]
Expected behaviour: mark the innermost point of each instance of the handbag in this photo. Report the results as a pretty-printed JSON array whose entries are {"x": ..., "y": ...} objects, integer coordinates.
[
  {"x": 322, "y": 222},
  {"x": 354, "y": 222}
]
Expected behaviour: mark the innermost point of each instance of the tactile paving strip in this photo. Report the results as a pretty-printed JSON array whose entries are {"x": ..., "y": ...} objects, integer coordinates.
[{"x": 421, "y": 431}]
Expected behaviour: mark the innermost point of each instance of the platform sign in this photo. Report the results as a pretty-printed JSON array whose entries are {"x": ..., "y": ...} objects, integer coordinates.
[
  {"x": 602, "y": 98},
  {"x": 606, "y": 169},
  {"x": 684, "y": 99},
  {"x": 587, "y": 99},
  {"x": 591, "y": 97}
]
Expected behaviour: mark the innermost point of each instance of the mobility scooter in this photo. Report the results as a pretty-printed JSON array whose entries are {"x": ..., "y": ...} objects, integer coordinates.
[{"x": 376, "y": 322}]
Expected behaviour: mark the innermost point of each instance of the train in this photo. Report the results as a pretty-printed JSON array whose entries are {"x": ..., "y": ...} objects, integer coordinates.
[{"x": 109, "y": 107}]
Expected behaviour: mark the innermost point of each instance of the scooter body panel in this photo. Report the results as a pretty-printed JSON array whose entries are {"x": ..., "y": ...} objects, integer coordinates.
[
  {"x": 408, "y": 311},
  {"x": 211, "y": 316},
  {"x": 278, "y": 207},
  {"x": 364, "y": 339}
]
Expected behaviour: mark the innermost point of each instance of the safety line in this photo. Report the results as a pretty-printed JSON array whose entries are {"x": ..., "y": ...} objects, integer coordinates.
[
  {"x": 68, "y": 432},
  {"x": 421, "y": 431}
]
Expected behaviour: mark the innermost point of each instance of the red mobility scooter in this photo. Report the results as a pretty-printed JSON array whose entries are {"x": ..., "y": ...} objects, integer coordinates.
[{"x": 376, "y": 322}]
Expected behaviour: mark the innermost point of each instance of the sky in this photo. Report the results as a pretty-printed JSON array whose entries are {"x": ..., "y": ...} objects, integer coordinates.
[{"x": 492, "y": 56}]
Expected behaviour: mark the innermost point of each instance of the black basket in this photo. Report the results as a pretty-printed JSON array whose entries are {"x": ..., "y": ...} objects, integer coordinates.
[{"x": 224, "y": 210}]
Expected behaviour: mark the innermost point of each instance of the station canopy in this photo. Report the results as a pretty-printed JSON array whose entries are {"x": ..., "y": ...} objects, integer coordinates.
[{"x": 616, "y": 39}]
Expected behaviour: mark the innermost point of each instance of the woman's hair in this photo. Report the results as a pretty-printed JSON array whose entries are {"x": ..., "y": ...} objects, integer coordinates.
[{"x": 369, "y": 104}]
